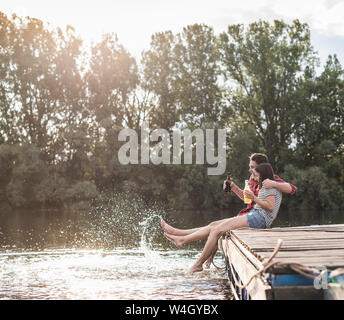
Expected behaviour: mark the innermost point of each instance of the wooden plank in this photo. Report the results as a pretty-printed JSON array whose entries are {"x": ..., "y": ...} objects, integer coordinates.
[
  {"x": 307, "y": 241},
  {"x": 261, "y": 239},
  {"x": 331, "y": 227},
  {"x": 330, "y": 243},
  {"x": 314, "y": 246},
  {"x": 295, "y": 247},
  {"x": 312, "y": 262},
  {"x": 250, "y": 256},
  {"x": 291, "y": 235},
  {"x": 339, "y": 228},
  {"x": 335, "y": 253},
  {"x": 258, "y": 289},
  {"x": 236, "y": 297},
  {"x": 297, "y": 293},
  {"x": 271, "y": 242},
  {"x": 296, "y": 231}
]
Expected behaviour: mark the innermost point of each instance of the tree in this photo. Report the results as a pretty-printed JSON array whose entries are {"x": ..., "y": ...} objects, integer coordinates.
[
  {"x": 41, "y": 89},
  {"x": 159, "y": 77},
  {"x": 8, "y": 114},
  {"x": 321, "y": 131},
  {"x": 27, "y": 172},
  {"x": 112, "y": 75},
  {"x": 111, "y": 79},
  {"x": 197, "y": 75},
  {"x": 266, "y": 63},
  {"x": 182, "y": 72}
]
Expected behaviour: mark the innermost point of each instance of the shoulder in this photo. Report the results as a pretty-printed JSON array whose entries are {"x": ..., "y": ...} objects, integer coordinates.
[{"x": 278, "y": 179}]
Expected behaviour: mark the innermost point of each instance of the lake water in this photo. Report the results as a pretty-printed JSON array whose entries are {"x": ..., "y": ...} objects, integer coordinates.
[
  {"x": 114, "y": 251},
  {"x": 106, "y": 274},
  {"x": 105, "y": 254}
]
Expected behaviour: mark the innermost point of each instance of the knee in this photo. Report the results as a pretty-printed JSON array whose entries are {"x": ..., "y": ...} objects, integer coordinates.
[
  {"x": 212, "y": 224},
  {"x": 215, "y": 230}
]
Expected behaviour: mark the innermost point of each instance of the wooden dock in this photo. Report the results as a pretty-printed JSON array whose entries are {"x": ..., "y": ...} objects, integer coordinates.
[{"x": 308, "y": 265}]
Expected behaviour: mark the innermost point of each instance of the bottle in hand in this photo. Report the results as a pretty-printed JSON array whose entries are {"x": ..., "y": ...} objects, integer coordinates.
[
  {"x": 247, "y": 188},
  {"x": 228, "y": 184}
]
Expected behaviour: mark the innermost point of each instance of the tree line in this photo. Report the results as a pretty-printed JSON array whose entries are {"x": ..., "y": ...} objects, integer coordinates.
[{"x": 63, "y": 104}]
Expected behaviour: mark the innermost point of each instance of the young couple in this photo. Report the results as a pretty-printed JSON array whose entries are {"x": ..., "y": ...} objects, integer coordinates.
[{"x": 266, "y": 195}]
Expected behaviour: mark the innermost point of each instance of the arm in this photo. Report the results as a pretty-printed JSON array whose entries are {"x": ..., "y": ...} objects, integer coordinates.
[
  {"x": 235, "y": 189},
  {"x": 267, "y": 204},
  {"x": 281, "y": 185},
  {"x": 284, "y": 187}
]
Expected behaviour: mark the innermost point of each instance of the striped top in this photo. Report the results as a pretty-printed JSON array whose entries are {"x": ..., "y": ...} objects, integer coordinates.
[{"x": 269, "y": 215}]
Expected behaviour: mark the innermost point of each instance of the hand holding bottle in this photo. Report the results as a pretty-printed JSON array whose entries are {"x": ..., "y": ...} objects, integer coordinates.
[
  {"x": 248, "y": 194},
  {"x": 227, "y": 184}
]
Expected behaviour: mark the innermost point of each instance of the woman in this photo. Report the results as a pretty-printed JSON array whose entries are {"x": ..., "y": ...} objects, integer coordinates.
[{"x": 260, "y": 217}]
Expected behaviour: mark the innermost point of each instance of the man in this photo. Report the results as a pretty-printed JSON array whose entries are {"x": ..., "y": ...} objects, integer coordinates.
[{"x": 255, "y": 160}]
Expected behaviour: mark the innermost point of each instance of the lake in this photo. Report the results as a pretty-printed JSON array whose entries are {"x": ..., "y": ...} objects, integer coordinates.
[{"x": 114, "y": 251}]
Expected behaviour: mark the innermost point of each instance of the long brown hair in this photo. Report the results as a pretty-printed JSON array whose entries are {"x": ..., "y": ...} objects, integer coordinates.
[{"x": 265, "y": 171}]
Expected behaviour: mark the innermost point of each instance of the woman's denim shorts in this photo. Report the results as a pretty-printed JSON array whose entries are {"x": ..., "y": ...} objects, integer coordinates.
[{"x": 255, "y": 220}]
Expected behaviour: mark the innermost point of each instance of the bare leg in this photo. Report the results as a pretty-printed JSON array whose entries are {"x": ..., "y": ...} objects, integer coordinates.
[
  {"x": 214, "y": 234},
  {"x": 211, "y": 258},
  {"x": 183, "y": 232},
  {"x": 200, "y": 234},
  {"x": 178, "y": 232}
]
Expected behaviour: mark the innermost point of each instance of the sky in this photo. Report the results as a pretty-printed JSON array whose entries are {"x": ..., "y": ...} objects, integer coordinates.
[{"x": 134, "y": 21}]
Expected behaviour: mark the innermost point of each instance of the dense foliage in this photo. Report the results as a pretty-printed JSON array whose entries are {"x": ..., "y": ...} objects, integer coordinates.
[{"x": 62, "y": 107}]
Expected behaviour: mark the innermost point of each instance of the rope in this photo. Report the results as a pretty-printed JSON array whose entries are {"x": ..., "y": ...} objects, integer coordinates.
[{"x": 238, "y": 284}]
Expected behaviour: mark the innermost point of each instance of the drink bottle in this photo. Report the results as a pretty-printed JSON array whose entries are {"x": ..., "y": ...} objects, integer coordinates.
[
  {"x": 247, "y": 187},
  {"x": 228, "y": 184}
]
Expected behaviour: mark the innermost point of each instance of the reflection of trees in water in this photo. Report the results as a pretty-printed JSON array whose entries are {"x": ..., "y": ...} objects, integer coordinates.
[{"x": 123, "y": 220}]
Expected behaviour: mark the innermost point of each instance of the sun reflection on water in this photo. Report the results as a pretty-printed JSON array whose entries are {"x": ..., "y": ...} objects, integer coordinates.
[
  {"x": 100, "y": 274},
  {"x": 115, "y": 251}
]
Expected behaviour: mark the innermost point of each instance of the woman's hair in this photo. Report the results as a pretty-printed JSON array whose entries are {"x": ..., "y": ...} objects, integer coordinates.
[
  {"x": 259, "y": 158},
  {"x": 266, "y": 172}
]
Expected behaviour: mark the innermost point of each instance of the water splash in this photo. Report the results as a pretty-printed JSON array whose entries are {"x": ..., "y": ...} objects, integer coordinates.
[
  {"x": 149, "y": 231},
  {"x": 125, "y": 219},
  {"x": 115, "y": 220}
]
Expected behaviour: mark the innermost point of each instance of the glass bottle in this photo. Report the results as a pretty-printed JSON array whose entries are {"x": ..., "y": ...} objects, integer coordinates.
[{"x": 247, "y": 188}]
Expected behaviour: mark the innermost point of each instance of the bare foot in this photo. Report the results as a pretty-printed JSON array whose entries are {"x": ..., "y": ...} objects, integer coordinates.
[
  {"x": 175, "y": 239},
  {"x": 167, "y": 228},
  {"x": 195, "y": 268}
]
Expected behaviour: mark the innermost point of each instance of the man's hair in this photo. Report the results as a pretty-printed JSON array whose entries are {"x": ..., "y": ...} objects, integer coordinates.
[
  {"x": 259, "y": 158},
  {"x": 265, "y": 171}
]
